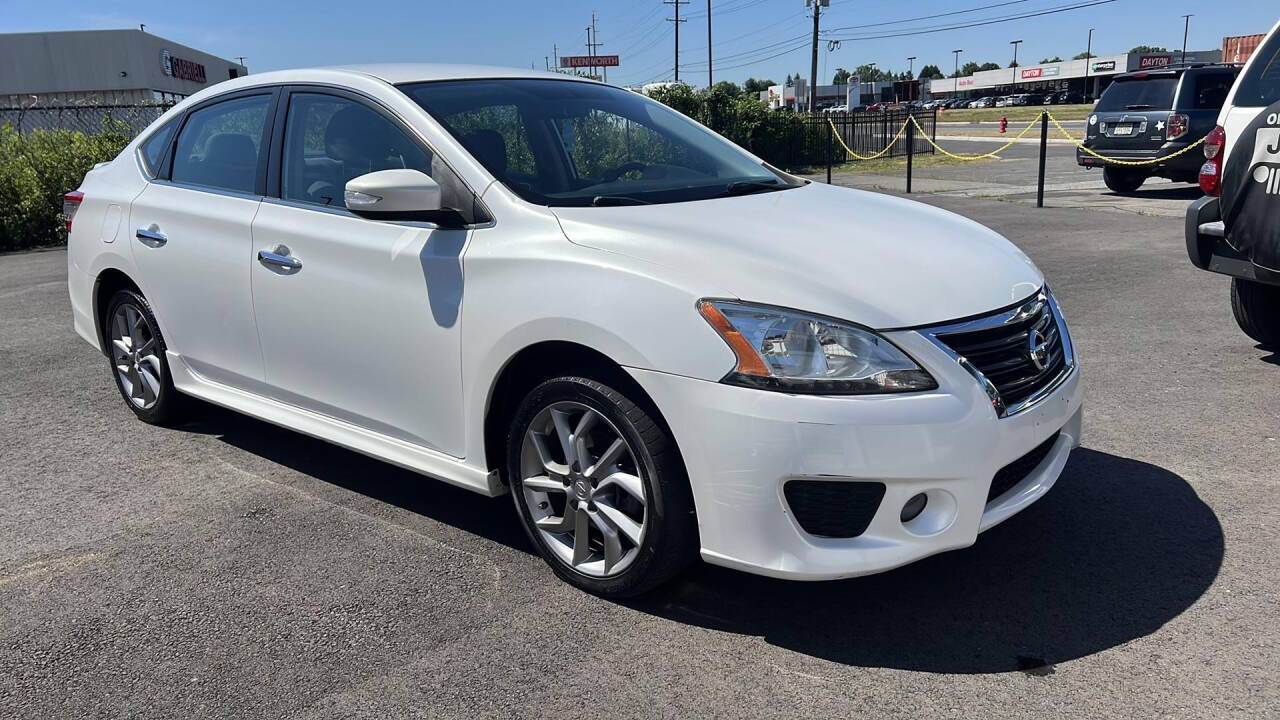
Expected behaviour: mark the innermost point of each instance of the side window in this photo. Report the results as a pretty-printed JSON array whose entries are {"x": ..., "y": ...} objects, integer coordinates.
[
  {"x": 496, "y": 135},
  {"x": 220, "y": 144},
  {"x": 154, "y": 147},
  {"x": 1211, "y": 90},
  {"x": 329, "y": 140},
  {"x": 1260, "y": 86}
]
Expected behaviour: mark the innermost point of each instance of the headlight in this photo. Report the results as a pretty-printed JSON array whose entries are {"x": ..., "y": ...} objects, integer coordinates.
[{"x": 785, "y": 350}]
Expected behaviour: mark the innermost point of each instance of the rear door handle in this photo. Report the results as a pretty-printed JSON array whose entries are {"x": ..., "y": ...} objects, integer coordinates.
[
  {"x": 279, "y": 258},
  {"x": 153, "y": 238}
]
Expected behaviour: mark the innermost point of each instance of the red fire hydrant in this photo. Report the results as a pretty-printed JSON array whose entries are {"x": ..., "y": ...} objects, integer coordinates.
[{"x": 1004, "y": 123}]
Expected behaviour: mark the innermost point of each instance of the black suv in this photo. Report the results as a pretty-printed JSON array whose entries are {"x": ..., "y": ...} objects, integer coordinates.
[{"x": 1145, "y": 115}]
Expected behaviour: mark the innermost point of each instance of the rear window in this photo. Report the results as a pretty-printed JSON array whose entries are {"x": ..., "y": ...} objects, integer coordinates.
[
  {"x": 1260, "y": 85},
  {"x": 1149, "y": 93}
]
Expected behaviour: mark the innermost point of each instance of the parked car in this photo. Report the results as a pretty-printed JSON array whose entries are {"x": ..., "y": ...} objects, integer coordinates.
[
  {"x": 1153, "y": 114},
  {"x": 1233, "y": 229},
  {"x": 1067, "y": 97},
  {"x": 1002, "y": 101},
  {"x": 1033, "y": 99},
  {"x": 987, "y": 102},
  {"x": 528, "y": 283}
]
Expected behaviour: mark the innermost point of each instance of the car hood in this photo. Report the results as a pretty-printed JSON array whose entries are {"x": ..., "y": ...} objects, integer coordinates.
[{"x": 869, "y": 258}]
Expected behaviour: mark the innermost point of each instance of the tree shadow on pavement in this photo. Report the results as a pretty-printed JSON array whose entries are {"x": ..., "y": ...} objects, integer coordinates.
[{"x": 1117, "y": 549}]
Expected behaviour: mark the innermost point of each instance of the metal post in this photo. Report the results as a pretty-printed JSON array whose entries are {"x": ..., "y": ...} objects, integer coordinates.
[
  {"x": 1044, "y": 146},
  {"x": 830, "y": 148},
  {"x": 911, "y": 149}
]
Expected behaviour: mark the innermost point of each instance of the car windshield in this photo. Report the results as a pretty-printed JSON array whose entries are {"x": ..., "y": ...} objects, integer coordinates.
[
  {"x": 572, "y": 143},
  {"x": 1149, "y": 93}
]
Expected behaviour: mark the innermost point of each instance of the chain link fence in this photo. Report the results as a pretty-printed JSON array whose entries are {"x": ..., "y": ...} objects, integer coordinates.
[{"x": 87, "y": 119}]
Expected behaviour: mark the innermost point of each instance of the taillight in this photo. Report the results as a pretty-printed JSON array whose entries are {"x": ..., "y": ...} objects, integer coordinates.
[
  {"x": 70, "y": 204},
  {"x": 1211, "y": 171},
  {"x": 1214, "y": 142},
  {"x": 1177, "y": 126}
]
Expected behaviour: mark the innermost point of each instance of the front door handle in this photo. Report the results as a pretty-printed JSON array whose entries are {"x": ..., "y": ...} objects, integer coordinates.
[
  {"x": 280, "y": 258},
  {"x": 150, "y": 237}
]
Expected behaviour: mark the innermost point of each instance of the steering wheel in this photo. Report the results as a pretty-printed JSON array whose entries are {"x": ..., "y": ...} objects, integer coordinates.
[{"x": 623, "y": 169}]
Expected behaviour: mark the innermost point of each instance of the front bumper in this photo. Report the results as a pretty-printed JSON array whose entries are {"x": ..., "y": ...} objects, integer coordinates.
[{"x": 740, "y": 446}]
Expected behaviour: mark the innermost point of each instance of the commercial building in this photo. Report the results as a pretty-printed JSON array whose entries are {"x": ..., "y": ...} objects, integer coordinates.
[
  {"x": 1088, "y": 77},
  {"x": 103, "y": 68}
]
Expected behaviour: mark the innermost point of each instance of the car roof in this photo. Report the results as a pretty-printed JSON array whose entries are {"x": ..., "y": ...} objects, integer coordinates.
[{"x": 396, "y": 73}]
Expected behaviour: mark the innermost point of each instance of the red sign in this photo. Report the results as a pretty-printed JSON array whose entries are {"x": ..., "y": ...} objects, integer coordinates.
[
  {"x": 1147, "y": 62},
  {"x": 1032, "y": 73},
  {"x": 581, "y": 61}
]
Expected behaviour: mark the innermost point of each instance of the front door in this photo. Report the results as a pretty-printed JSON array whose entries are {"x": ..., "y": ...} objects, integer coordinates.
[
  {"x": 191, "y": 239},
  {"x": 358, "y": 318}
]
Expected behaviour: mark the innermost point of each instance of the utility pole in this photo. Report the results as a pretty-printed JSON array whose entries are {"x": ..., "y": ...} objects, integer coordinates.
[
  {"x": 1088, "y": 62},
  {"x": 709, "y": 81},
  {"x": 955, "y": 84},
  {"x": 595, "y": 45},
  {"x": 592, "y": 68},
  {"x": 911, "y": 78},
  {"x": 676, "y": 4},
  {"x": 1185, "y": 29},
  {"x": 813, "y": 61}
]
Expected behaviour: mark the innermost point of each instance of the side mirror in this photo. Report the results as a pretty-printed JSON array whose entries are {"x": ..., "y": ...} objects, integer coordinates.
[{"x": 399, "y": 195}]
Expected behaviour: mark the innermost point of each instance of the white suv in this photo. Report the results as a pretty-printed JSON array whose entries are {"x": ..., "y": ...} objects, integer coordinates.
[{"x": 530, "y": 283}]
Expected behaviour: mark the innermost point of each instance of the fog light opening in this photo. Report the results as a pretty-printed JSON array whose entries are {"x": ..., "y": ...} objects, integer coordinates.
[{"x": 914, "y": 507}]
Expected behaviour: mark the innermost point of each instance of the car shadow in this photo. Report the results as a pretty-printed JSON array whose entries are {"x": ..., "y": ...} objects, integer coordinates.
[
  {"x": 1117, "y": 549},
  {"x": 1271, "y": 358},
  {"x": 1164, "y": 192},
  {"x": 490, "y": 518}
]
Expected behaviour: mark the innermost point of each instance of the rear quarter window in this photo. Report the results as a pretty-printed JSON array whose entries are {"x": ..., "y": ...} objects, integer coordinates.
[
  {"x": 154, "y": 147},
  {"x": 1207, "y": 91},
  {"x": 1260, "y": 85}
]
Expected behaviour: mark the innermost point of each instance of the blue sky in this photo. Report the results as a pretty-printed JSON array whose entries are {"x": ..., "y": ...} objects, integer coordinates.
[{"x": 274, "y": 35}]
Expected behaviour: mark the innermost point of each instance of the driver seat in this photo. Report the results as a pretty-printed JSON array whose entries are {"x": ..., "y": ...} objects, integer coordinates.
[{"x": 489, "y": 147}]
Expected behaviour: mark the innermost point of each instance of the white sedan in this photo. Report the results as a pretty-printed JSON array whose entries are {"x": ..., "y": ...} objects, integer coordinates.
[{"x": 534, "y": 284}]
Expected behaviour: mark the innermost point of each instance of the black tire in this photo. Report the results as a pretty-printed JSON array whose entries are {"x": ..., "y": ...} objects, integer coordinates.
[
  {"x": 1122, "y": 181},
  {"x": 169, "y": 403},
  {"x": 1257, "y": 310},
  {"x": 670, "y": 540}
]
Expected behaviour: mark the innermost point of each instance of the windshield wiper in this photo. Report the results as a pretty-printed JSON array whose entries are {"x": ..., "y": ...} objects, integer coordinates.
[
  {"x": 746, "y": 187},
  {"x": 614, "y": 200}
]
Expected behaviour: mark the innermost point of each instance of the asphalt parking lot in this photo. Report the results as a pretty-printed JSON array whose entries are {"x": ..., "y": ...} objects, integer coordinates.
[{"x": 229, "y": 568}]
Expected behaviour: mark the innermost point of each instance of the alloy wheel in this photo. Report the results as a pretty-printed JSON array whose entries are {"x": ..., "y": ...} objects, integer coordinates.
[
  {"x": 133, "y": 353},
  {"x": 582, "y": 488}
]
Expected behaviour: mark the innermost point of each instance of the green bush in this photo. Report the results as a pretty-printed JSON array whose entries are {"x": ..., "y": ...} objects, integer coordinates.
[{"x": 36, "y": 169}]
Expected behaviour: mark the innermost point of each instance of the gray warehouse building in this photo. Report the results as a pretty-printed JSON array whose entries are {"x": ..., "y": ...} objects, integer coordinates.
[{"x": 103, "y": 68}]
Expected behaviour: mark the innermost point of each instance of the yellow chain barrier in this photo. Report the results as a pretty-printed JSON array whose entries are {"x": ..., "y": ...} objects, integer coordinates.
[
  {"x": 1117, "y": 161},
  {"x": 855, "y": 155},
  {"x": 994, "y": 153},
  {"x": 982, "y": 156}
]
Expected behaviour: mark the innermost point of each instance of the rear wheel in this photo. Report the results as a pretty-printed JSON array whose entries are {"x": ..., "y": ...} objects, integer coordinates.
[
  {"x": 600, "y": 488},
  {"x": 1122, "y": 181},
  {"x": 1257, "y": 310},
  {"x": 137, "y": 354}
]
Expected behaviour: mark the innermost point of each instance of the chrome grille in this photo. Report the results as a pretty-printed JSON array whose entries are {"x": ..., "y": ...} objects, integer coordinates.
[{"x": 1018, "y": 355}]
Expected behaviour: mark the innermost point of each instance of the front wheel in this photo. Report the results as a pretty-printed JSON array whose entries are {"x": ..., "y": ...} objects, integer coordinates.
[
  {"x": 1257, "y": 310},
  {"x": 1122, "y": 181},
  {"x": 600, "y": 488}
]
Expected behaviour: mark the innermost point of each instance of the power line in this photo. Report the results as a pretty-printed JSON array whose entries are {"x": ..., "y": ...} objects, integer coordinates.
[{"x": 976, "y": 23}]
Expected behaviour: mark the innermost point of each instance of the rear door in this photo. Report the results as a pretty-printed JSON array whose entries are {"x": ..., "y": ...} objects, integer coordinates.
[
  {"x": 190, "y": 235},
  {"x": 361, "y": 324}
]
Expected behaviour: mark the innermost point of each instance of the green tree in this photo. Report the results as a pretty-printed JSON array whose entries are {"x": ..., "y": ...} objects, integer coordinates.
[
  {"x": 966, "y": 69},
  {"x": 753, "y": 85},
  {"x": 931, "y": 72},
  {"x": 1055, "y": 58},
  {"x": 1083, "y": 55},
  {"x": 841, "y": 77},
  {"x": 1148, "y": 49},
  {"x": 728, "y": 88},
  {"x": 988, "y": 66}
]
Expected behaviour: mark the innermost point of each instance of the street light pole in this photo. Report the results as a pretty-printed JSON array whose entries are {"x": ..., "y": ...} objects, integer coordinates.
[
  {"x": 1015, "y": 44},
  {"x": 1185, "y": 29},
  {"x": 911, "y": 78},
  {"x": 955, "y": 83},
  {"x": 1088, "y": 62}
]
